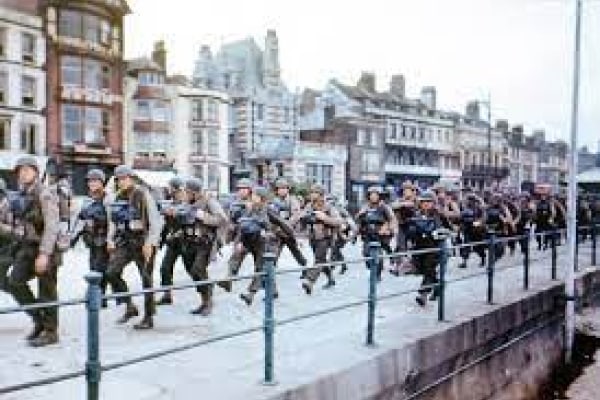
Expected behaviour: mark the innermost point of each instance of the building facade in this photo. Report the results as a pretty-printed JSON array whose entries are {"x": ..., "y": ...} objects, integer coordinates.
[
  {"x": 262, "y": 119},
  {"x": 22, "y": 80},
  {"x": 85, "y": 70}
]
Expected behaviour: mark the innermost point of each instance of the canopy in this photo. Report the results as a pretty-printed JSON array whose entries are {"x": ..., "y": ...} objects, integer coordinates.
[{"x": 589, "y": 176}]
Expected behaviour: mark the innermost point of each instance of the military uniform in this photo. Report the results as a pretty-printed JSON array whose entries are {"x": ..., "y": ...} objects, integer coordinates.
[
  {"x": 347, "y": 231},
  {"x": 36, "y": 222},
  {"x": 404, "y": 209},
  {"x": 199, "y": 239},
  {"x": 6, "y": 240},
  {"x": 472, "y": 230},
  {"x": 321, "y": 232},
  {"x": 134, "y": 222},
  {"x": 92, "y": 227},
  {"x": 285, "y": 207}
]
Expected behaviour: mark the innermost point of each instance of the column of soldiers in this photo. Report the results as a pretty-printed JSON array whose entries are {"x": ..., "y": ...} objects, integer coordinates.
[{"x": 130, "y": 226}]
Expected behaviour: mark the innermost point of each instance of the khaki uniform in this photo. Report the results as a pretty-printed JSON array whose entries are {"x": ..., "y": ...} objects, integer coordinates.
[{"x": 35, "y": 232}]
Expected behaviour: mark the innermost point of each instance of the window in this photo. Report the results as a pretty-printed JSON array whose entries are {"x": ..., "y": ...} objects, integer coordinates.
[
  {"x": 28, "y": 138},
  {"x": 143, "y": 110},
  {"x": 286, "y": 115},
  {"x": 93, "y": 125},
  {"x": 413, "y": 132},
  {"x": 393, "y": 132},
  {"x": 373, "y": 139},
  {"x": 2, "y": 42},
  {"x": 199, "y": 172},
  {"x": 4, "y": 134},
  {"x": 27, "y": 91},
  {"x": 198, "y": 141},
  {"x": 70, "y": 24},
  {"x": 70, "y": 68},
  {"x": 448, "y": 136},
  {"x": 213, "y": 110},
  {"x": 260, "y": 110},
  {"x": 104, "y": 32},
  {"x": 86, "y": 73},
  {"x": 370, "y": 162},
  {"x": 360, "y": 137},
  {"x": 72, "y": 118},
  {"x": 404, "y": 130},
  {"x": 197, "y": 110},
  {"x": 3, "y": 87},
  {"x": 213, "y": 143},
  {"x": 91, "y": 24},
  {"x": 213, "y": 177},
  {"x": 421, "y": 133},
  {"x": 27, "y": 47},
  {"x": 160, "y": 111},
  {"x": 93, "y": 75},
  {"x": 321, "y": 174}
]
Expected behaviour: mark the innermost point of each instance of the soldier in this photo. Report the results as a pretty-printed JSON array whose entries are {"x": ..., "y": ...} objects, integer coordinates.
[
  {"x": 285, "y": 205},
  {"x": 5, "y": 238},
  {"x": 322, "y": 221},
  {"x": 199, "y": 239},
  {"x": 545, "y": 212},
  {"x": 472, "y": 228},
  {"x": 404, "y": 209},
  {"x": 93, "y": 226},
  {"x": 35, "y": 219},
  {"x": 512, "y": 205},
  {"x": 497, "y": 218},
  {"x": 347, "y": 232},
  {"x": 377, "y": 223},
  {"x": 423, "y": 234},
  {"x": 584, "y": 216},
  {"x": 133, "y": 235},
  {"x": 525, "y": 219},
  {"x": 171, "y": 236}
]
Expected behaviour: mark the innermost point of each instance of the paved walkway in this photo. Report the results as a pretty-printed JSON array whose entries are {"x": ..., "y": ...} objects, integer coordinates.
[{"x": 232, "y": 369}]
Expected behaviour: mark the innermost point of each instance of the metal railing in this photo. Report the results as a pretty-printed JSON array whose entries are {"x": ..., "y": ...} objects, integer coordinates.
[{"x": 93, "y": 299}]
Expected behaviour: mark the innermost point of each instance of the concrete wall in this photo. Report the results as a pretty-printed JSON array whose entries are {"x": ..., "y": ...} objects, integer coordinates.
[{"x": 534, "y": 323}]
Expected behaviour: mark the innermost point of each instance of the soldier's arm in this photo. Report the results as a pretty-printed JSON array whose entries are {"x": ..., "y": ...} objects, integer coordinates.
[
  {"x": 50, "y": 214},
  {"x": 155, "y": 222},
  {"x": 216, "y": 216},
  {"x": 393, "y": 221},
  {"x": 110, "y": 228},
  {"x": 333, "y": 219}
]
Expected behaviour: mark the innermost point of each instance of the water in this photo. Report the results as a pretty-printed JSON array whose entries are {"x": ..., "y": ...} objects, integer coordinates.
[{"x": 583, "y": 356}]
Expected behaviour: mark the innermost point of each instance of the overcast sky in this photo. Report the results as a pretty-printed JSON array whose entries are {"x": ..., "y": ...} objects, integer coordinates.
[{"x": 520, "y": 51}]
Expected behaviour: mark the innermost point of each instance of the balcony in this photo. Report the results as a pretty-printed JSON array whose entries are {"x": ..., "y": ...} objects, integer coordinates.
[
  {"x": 417, "y": 170},
  {"x": 478, "y": 171}
]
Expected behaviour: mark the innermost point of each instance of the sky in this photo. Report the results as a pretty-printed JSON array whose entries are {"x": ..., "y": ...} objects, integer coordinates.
[{"x": 519, "y": 52}]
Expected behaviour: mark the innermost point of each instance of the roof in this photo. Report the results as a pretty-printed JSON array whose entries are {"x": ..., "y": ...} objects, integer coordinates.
[
  {"x": 589, "y": 176},
  {"x": 142, "y": 63}
]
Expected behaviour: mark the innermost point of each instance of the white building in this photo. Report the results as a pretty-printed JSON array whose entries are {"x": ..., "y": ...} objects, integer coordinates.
[
  {"x": 200, "y": 131},
  {"x": 22, "y": 83},
  {"x": 323, "y": 163}
]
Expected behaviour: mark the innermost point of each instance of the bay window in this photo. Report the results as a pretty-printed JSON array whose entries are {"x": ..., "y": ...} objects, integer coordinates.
[
  {"x": 89, "y": 27},
  {"x": 84, "y": 73},
  {"x": 90, "y": 125}
]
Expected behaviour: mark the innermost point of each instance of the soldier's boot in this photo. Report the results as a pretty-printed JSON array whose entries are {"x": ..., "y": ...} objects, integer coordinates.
[
  {"x": 307, "y": 286},
  {"x": 247, "y": 297},
  {"x": 422, "y": 299},
  {"x": 130, "y": 312},
  {"x": 330, "y": 283},
  {"x": 225, "y": 285},
  {"x": 146, "y": 323},
  {"x": 344, "y": 269},
  {"x": 298, "y": 256},
  {"x": 435, "y": 294},
  {"x": 37, "y": 330},
  {"x": 206, "y": 306},
  {"x": 482, "y": 263},
  {"x": 463, "y": 264},
  {"x": 166, "y": 299},
  {"x": 45, "y": 338}
]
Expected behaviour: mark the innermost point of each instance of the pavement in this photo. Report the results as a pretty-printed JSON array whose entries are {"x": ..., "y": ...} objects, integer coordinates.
[{"x": 233, "y": 368}]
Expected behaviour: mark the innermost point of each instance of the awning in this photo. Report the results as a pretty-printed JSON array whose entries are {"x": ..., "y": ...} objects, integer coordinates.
[
  {"x": 590, "y": 176},
  {"x": 9, "y": 160}
]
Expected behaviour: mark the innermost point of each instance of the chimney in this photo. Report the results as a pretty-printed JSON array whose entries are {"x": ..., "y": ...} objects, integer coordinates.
[
  {"x": 398, "y": 86},
  {"x": 367, "y": 82},
  {"x": 472, "y": 110},
  {"x": 502, "y": 125},
  {"x": 428, "y": 97},
  {"x": 159, "y": 55}
]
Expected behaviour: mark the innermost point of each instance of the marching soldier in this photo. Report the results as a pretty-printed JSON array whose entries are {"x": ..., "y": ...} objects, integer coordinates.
[
  {"x": 347, "y": 232},
  {"x": 5, "y": 238},
  {"x": 545, "y": 213},
  {"x": 423, "y": 234},
  {"x": 133, "y": 235},
  {"x": 322, "y": 221},
  {"x": 36, "y": 221},
  {"x": 404, "y": 209},
  {"x": 285, "y": 205},
  {"x": 93, "y": 226},
  {"x": 472, "y": 229},
  {"x": 171, "y": 237},
  {"x": 200, "y": 238},
  {"x": 524, "y": 221},
  {"x": 497, "y": 218},
  {"x": 377, "y": 223}
]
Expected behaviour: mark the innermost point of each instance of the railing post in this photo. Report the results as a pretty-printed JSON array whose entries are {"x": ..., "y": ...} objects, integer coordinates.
[
  {"x": 555, "y": 234},
  {"x": 444, "y": 252},
  {"x": 269, "y": 319},
  {"x": 373, "y": 252},
  {"x": 490, "y": 267},
  {"x": 526, "y": 261},
  {"x": 594, "y": 233},
  {"x": 92, "y": 365},
  {"x": 576, "y": 248}
]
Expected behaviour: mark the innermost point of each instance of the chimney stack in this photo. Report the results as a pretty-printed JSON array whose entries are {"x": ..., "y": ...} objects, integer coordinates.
[
  {"x": 398, "y": 86},
  {"x": 159, "y": 55},
  {"x": 367, "y": 82},
  {"x": 429, "y": 97},
  {"x": 472, "y": 110}
]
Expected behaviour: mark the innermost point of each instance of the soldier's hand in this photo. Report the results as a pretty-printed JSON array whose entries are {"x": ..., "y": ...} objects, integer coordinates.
[
  {"x": 41, "y": 264},
  {"x": 200, "y": 214},
  {"x": 320, "y": 215},
  {"x": 110, "y": 247},
  {"x": 147, "y": 252}
]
